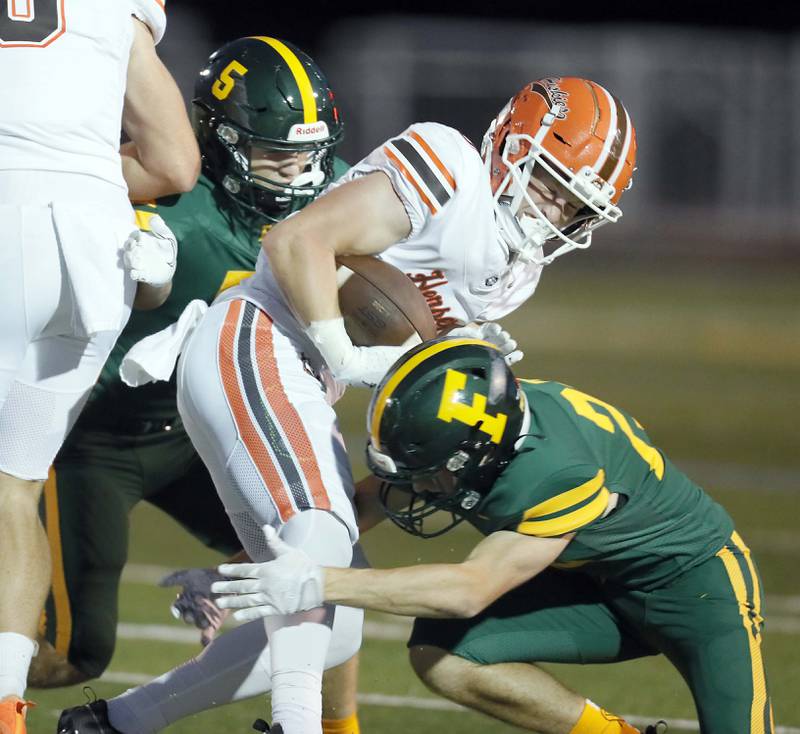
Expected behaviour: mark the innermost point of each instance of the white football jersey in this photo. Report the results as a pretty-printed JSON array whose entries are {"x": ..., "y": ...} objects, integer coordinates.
[
  {"x": 63, "y": 66},
  {"x": 453, "y": 253}
]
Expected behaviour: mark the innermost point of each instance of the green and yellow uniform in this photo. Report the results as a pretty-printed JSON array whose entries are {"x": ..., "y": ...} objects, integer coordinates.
[
  {"x": 662, "y": 572},
  {"x": 129, "y": 445}
]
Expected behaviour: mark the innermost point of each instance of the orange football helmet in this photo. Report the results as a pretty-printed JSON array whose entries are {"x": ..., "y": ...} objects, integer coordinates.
[{"x": 582, "y": 136}]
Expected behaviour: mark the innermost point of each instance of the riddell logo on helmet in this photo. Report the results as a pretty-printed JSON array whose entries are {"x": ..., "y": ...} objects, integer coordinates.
[{"x": 309, "y": 131}]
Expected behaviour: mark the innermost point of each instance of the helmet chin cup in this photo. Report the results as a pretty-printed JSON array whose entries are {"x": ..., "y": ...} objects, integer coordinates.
[{"x": 308, "y": 182}]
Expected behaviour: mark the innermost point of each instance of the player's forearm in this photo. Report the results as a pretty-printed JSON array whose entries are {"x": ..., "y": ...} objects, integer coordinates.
[
  {"x": 146, "y": 184},
  {"x": 163, "y": 156},
  {"x": 306, "y": 272},
  {"x": 436, "y": 590},
  {"x": 149, "y": 297}
]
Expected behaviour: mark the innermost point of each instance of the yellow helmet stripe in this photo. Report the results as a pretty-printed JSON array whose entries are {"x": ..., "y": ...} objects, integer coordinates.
[
  {"x": 403, "y": 371},
  {"x": 300, "y": 76}
]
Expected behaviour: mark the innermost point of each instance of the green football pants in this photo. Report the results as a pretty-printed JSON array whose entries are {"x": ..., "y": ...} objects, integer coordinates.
[{"x": 708, "y": 623}]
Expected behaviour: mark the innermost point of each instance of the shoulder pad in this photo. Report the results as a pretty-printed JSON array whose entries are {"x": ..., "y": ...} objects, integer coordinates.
[
  {"x": 425, "y": 154},
  {"x": 153, "y": 14}
]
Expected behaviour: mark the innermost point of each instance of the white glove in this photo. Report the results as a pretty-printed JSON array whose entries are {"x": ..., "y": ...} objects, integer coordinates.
[
  {"x": 195, "y": 603},
  {"x": 362, "y": 366},
  {"x": 151, "y": 255},
  {"x": 494, "y": 334},
  {"x": 290, "y": 583}
]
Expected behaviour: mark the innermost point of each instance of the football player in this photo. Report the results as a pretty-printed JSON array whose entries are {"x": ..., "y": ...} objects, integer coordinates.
[
  {"x": 71, "y": 75},
  {"x": 258, "y": 378},
  {"x": 597, "y": 549},
  {"x": 268, "y": 144}
]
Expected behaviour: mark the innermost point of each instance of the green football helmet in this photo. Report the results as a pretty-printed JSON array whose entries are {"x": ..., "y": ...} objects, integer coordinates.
[
  {"x": 442, "y": 425},
  {"x": 257, "y": 98}
]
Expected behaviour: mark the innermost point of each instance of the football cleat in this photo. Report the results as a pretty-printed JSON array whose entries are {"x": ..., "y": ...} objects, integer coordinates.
[
  {"x": 264, "y": 727},
  {"x": 658, "y": 728},
  {"x": 91, "y": 718},
  {"x": 12, "y": 715}
]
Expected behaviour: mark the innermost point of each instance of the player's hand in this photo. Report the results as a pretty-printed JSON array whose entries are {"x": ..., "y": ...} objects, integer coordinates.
[
  {"x": 195, "y": 602},
  {"x": 494, "y": 334},
  {"x": 290, "y": 583},
  {"x": 151, "y": 255},
  {"x": 361, "y": 366}
]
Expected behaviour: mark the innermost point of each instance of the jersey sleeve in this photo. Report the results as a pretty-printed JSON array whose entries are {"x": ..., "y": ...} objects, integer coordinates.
[
  {"x": 569, "y": 500},
  {"x": 423, "y": 164},
  {"x": 153, "y": 14}
]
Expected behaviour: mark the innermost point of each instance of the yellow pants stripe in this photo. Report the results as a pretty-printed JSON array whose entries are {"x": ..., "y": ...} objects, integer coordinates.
[
  {"x": 750, "y": 614},
  {"x": 59, "y": 583}
]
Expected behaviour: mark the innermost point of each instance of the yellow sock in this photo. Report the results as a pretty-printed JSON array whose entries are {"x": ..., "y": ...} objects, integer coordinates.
[
  {"x": 341, "y": 726},
  {"x": 595, "y": 720}
]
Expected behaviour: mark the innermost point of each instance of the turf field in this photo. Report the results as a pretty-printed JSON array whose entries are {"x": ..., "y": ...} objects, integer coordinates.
[{"x": 706, "y": 357}]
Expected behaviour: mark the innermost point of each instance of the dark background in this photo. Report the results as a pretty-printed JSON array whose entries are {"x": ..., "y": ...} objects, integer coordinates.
[{"x": 304, "y": 22}]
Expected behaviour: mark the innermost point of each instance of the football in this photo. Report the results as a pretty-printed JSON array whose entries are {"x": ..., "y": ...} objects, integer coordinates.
[{"x": 380, "y": 304}]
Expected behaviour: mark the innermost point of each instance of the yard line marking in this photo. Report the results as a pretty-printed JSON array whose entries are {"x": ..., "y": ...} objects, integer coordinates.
[
  {"x": 191, "y": 636},
  {"x": 433, "y": 704},
  {"x": 158, "y": 633}
]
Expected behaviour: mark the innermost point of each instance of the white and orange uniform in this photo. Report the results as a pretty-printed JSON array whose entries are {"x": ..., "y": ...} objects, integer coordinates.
[
  {"x": 64, "y": 295},
  {"x": 253, "y": 391}
]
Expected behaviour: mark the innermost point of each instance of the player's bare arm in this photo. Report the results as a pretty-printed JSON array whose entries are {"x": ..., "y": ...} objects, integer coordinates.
[
  {"x": 149, "y": 297},
  {"x": 292, "y": 582},
  {"x": 496, "y": 565},
  {"x": 361, "y": 217},
  {"x": 162, "y": 156}
]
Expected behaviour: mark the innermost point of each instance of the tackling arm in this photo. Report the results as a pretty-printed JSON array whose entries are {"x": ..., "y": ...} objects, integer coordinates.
[
  {"x": 162, "y": 156},
  {"x": 293, "y": 582},
  {"x": 497, "y": 564}
]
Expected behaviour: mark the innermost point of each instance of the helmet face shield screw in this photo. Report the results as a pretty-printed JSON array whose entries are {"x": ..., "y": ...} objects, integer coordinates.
[
  {"x": 231, "y": 184},
  {"x": 470, "y": 499},
  {"x": 457, "y": 461},
  {"x": 228, "y": 134}
]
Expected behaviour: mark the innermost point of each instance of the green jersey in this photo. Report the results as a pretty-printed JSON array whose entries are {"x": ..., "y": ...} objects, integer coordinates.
[
  {"x": 578, "y": 451},
  {"x": 217, "y": 248}
]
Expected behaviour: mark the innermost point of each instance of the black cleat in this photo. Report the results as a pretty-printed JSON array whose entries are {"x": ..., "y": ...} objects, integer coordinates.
[
  {"x": 264, "y": 727},
  {"x": 658, "y": 728},
  {"x": 91, "y": 718}
]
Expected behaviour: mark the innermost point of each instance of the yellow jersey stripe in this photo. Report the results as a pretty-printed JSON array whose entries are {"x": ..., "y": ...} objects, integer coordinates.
[
  {"x": 759, "y": 701},
  {"x": 567, "y": 499},
  {"x": 569, "y": 522},
  {"x": 402, "y": 372},
  {"x": 300, "y": 76},
  {"x": 59, "y": 582}
]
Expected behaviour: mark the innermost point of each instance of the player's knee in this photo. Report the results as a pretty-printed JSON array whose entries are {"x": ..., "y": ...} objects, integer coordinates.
[
  {"x": 321, "y": 535},
  {"x": 18, "y": 496},
  {"x": 441, "y": 671}
]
